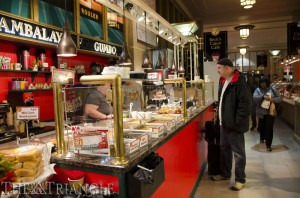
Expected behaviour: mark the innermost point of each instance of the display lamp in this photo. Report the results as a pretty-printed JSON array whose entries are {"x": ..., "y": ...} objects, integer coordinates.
[
  {"x": 125, "y": 58},
  {"x": 147, "y": 64},
  {"x": 66, "y": 46}
]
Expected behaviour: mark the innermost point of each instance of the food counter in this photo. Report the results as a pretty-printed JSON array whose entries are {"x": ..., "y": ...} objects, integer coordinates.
[
  {"x": 297, "y": 124},
  {"x": 182, "y": 148},
  {"x": 102, "y": 154},
  {"x": 290, "y": 91},
  {"x": 288, "y": 112}
]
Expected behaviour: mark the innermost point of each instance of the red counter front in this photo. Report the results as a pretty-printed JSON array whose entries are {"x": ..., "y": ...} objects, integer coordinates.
[{"x": 184, "y": 156}]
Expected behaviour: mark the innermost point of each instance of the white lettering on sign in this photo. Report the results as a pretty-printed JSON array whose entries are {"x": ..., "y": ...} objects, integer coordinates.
[
  {"x": 27, "y": 30},
  {"x": 28, "y": 113},
  {"x": 105, "y": 48}
]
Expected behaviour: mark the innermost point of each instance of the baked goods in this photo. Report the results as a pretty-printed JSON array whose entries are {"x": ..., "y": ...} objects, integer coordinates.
[{"x": 29, "y": 164}]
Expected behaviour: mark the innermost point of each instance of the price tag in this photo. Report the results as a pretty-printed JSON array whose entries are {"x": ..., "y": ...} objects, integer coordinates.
[{"x": 28, "y": 113}]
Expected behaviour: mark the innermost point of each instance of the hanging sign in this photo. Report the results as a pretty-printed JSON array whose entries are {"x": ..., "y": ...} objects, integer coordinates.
[
  {"x": 100, "y": 47},
  {"x": 28, "y": 113},
  {"x": 215, "y": 47}
]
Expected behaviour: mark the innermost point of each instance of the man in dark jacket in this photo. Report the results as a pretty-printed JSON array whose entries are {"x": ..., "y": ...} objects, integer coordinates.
[{"x": 234, "y": 111}]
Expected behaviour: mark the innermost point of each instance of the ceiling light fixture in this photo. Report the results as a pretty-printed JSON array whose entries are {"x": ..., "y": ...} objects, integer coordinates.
[
  {"x": 274, "y": 52},
  {"x": 186, "y": 28},
  {"x": 125, "y": 58},
  {"x": 247, "y": 4},
  {"x": 66, "y": 46},
  {"x": 243, "y": 50},
  {"x": 244, "y": 30}
]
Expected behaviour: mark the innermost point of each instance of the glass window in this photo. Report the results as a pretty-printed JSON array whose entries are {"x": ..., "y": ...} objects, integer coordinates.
[
  {"x": 115, "y": 27},
  {"x": 91, "y": 18},
  {"x": 17, "y": 7},
  {"x": 52, "y": 12}
]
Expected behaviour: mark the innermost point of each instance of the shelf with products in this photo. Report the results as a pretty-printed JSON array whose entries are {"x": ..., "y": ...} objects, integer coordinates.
[
  {"x": 32, "y": 73},
  {"x": 30, "y": 90}
]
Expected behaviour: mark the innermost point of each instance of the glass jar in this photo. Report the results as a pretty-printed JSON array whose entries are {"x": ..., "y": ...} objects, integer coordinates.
[
  {"x": 22, "y": 83},
  {"x": 14, "y": 84},
  {"x": 26, "y": 83}
]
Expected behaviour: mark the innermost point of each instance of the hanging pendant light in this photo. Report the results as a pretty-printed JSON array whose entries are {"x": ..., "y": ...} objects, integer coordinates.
[
  {"x": 244, "y": 30},
  {"x": 147, "y": 64},
  {"x": 125, "y": 58},
  {"x": 66, "y": 46},
  {"x": 174, "y": 67},
  {"x": 159, "y": 63},
  {"x": 181, "y": 68}
]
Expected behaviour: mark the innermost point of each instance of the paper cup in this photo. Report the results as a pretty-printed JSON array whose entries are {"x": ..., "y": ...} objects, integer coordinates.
[{"x": 134, "y": 114}]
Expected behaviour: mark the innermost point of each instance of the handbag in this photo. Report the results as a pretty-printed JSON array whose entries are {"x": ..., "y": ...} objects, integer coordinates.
[
  {"x": 273, "y": 109},
  {"x": 278, "y": 106}
]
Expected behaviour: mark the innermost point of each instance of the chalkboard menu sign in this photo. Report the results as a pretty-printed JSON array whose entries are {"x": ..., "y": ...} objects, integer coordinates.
[
  {"x": 293, "y": 38},
  {"x": 216, "y": 47}
]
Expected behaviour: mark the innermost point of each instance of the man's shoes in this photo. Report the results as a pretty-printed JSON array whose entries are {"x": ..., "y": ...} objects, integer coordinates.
[
  {"x": 237, "y": 186},
  {"x": 219, "y": 178},
  {"x": 269, "y": 149}
]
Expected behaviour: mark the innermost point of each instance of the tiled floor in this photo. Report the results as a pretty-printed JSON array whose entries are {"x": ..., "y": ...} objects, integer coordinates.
[{"x": 273, "y": 174}]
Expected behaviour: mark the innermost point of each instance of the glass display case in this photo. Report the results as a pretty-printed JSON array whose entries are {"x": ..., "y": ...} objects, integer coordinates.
[
  {"x": 167, "y": 104},
  {"x": 295, "y": 91},
  {"x": 284, "y": 88}
]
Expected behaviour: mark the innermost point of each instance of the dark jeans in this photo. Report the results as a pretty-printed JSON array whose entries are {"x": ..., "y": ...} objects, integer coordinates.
[
  {"x": 265, "y": 126},
  {"x": 232, "y": 142}
]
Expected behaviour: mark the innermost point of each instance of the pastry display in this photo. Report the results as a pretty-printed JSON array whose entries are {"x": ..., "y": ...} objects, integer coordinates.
[{"x": 28, "y": 160}]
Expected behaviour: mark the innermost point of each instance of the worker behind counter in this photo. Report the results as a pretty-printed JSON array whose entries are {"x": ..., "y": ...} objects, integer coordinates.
[
  {"x": 96, "y": 105},
  {"x": 96, "y": 68}
]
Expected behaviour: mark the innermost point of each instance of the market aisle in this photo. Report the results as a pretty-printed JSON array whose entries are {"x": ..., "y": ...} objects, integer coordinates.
[{"x": 273, "y": 174}]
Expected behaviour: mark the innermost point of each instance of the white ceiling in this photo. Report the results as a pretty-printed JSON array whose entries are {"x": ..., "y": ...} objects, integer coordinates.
[{"x": 270, "y": 18}]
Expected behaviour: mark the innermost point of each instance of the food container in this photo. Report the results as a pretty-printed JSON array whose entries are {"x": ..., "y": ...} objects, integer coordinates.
[
  {"x": 142, "y": 137},
  {"x": 30, "y": 160},
  {"x": 155, "y": 130},
  {"x": 131, "y": 145}
]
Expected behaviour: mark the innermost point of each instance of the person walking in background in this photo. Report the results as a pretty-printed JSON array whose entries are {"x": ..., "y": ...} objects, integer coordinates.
[
  {"x": 253, "y": 86},
  {"x": 234, "y": 110},
  {"x": 266, "y": 121}
]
